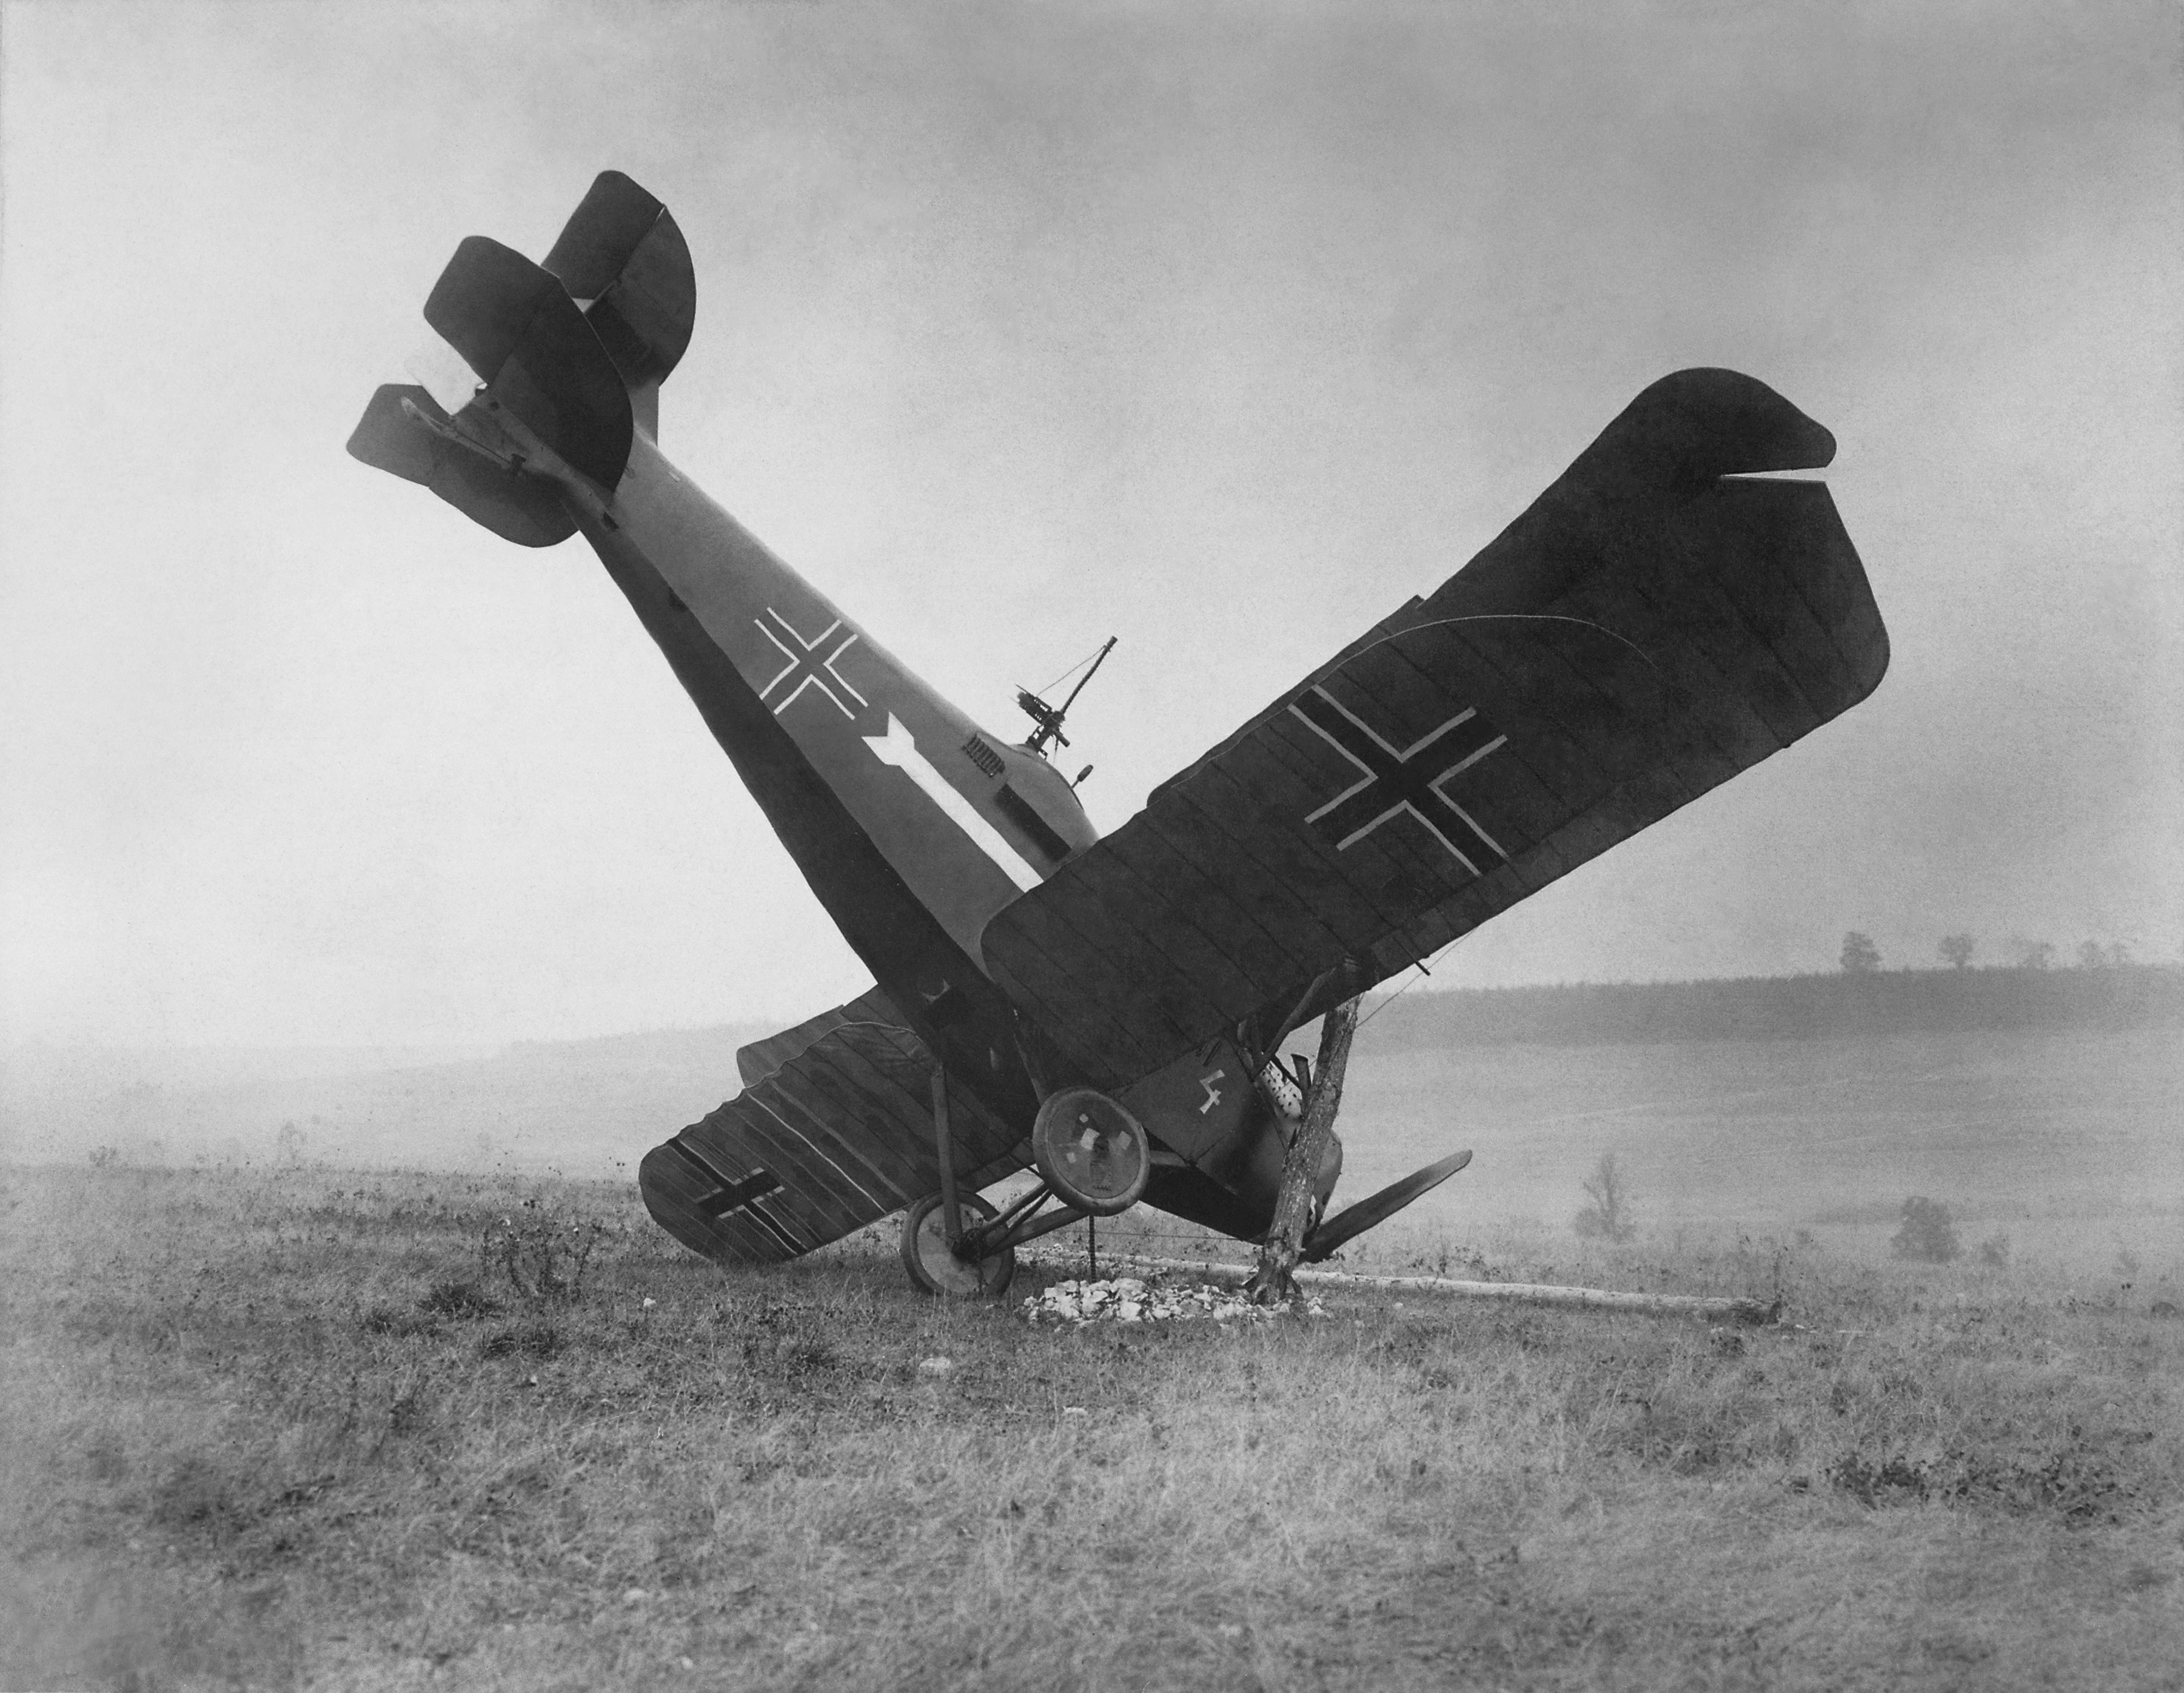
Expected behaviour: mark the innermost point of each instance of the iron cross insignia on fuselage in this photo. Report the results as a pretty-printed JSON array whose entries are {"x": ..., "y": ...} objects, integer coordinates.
[
  {"x": 1409, "y": 781},
  {"x": 806, "y": 668}
]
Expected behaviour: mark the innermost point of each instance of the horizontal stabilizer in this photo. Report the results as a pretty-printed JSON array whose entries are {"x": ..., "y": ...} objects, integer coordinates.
[
  {"x": 515, "y": 326},
  {"x": 405, "y": 431},
  {"x": 1346, "y": 1225},
  {"x": 624, "y": 260}
]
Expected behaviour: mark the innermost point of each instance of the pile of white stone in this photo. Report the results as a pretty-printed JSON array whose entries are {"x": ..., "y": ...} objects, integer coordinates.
[{"x": 1128, "y": 1300}]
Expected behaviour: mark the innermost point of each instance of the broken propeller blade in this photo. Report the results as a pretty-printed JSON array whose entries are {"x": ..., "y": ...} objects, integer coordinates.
[{"x": 1337, "y": 1232}]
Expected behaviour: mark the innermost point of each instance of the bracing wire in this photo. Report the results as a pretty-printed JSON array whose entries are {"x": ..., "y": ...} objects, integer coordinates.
[
  {"x": 1071, "y": 672},
  {"x": 1425, "y": 969}
]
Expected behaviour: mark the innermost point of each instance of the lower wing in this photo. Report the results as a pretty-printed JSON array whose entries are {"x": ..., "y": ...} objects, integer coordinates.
[{"x": 833, "y": 1130}]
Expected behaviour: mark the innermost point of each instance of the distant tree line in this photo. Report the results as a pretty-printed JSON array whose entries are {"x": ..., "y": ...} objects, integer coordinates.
[
  {"x": 1859, "y": 955},
  {"x": 1779, "y": 1008}
]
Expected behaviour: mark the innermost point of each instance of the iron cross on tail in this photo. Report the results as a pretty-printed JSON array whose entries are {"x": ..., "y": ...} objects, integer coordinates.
[{"x": 1108, "y": 1012}]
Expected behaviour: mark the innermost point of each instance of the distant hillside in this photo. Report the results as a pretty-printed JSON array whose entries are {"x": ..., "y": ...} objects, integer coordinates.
[
  {"x": 1783, "y": 1007},
  {"x": 593, "y": 1105},
  {"x": 581, "y": 1105}
]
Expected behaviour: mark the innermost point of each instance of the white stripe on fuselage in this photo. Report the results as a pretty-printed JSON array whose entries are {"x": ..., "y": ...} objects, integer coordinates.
[{"x": 900, "y": 748}]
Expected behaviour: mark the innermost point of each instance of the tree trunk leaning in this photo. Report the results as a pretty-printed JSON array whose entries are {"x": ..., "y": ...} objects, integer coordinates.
[{"x": 1275, "y": 1281}]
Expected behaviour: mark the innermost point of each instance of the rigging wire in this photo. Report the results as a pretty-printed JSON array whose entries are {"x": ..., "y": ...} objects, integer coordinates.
[
  {"x": 1071, "y": 672},
  {"x": 1425, "y": 970}
]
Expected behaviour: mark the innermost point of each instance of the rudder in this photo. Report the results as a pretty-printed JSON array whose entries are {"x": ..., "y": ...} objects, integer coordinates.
[
  {"x": 622, "y": 258},
  {"x": 515, "y": 326}
]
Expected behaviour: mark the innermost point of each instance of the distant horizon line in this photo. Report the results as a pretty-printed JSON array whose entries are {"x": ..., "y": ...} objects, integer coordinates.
[{"x": 767, "y": 1024}]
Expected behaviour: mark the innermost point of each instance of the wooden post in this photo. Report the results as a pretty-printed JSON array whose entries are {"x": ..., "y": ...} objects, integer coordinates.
[{"x": 1275, "y": 1281}]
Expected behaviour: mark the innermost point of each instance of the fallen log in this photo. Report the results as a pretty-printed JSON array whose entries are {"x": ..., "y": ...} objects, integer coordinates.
[{"x": 1712, "y": 1307}]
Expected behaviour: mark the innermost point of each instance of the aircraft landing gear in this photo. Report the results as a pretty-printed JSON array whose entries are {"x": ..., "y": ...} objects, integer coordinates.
[
  {"x": 1094, "y": 1157},
  {"x": 940, "y": 1267},
  {"x": 983, "y": 1258},
  {"x": 1091, "y": 1152}
]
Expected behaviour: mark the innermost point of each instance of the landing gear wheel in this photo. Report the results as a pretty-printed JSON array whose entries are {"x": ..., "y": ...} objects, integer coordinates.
[
  {"x": 934, "y": 1267},
  {"x": 1094, "y": 1154}
]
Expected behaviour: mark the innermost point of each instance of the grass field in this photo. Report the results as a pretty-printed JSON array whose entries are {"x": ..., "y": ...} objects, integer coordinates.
[{"x": 282, "y": 1429}]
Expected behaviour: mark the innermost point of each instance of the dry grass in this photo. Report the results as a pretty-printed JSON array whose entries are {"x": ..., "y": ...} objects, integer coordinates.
[{"x": 271, "y": 1428}]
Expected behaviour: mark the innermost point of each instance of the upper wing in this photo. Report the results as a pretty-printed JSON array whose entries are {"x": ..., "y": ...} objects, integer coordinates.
[
  {"x": 833, "y": 1130},
  {"x": 1646, "y": 631}
]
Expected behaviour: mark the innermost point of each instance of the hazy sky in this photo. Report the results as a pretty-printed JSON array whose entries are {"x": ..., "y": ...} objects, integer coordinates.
[{"x": 1223, "y": 329}]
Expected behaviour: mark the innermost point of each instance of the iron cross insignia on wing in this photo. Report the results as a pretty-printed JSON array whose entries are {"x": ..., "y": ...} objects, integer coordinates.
[
  {"x": 1410, "y": 781},
  {"x": 806, "y": 668},
  {"x": 730, "y": 1197}
]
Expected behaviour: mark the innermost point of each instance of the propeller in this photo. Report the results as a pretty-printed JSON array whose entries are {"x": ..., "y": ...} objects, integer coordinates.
[{"x": 1338, "y": 1231}]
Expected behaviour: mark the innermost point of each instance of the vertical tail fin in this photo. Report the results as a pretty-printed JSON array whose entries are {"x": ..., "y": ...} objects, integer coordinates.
[
  {"x": 516, "y": 327},
  {"x": 622, "y": 258}
]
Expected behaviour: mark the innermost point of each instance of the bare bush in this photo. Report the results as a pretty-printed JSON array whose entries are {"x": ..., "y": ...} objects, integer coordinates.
[
  {"x": 1928, "y": 1233},
  {"x": 1607, "y": 1214}
]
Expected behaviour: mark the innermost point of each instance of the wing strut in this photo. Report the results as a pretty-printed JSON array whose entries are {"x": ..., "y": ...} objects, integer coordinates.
[{"x": 952, "y": 1211}]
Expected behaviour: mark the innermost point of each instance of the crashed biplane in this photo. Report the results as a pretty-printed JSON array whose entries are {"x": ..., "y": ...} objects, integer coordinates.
[{"x": 1109, "y": 1011}]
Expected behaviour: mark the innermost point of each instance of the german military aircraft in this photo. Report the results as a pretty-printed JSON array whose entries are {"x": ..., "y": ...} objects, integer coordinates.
[{"x": 1109, "y": 1012}]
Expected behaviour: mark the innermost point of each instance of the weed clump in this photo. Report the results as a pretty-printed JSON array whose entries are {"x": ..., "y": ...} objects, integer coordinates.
[
  {"x": 198, "y": 1493},
  {"x": 459, "y": 1301},
  {"x": 400, "y": 1325},
  {"x": 2071, "y": 1482},
  {"x": 543, "y": 1256},
  {"x": 1927, "y": 1234},
  {"x": 530, "y": 1340}
]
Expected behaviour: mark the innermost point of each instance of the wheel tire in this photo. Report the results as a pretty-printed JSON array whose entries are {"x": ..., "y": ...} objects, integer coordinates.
[
  {"x": 936, "y": 1269},
  {"x": 1094, "y": 1154}
]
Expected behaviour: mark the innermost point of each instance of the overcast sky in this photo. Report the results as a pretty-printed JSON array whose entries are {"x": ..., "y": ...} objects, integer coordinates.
[{"x": 1223, "y": 329}]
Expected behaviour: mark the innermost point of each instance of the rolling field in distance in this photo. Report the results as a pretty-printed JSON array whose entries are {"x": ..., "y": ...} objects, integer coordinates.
[{"x": 2070, "y": 1142}]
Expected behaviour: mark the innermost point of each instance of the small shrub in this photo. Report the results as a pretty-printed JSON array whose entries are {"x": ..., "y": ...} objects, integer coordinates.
[
  {"x": 1994, "y": 1250},
  {"x": 1928, "y": 1233},
  {"x": 103, "y": 1157}
]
